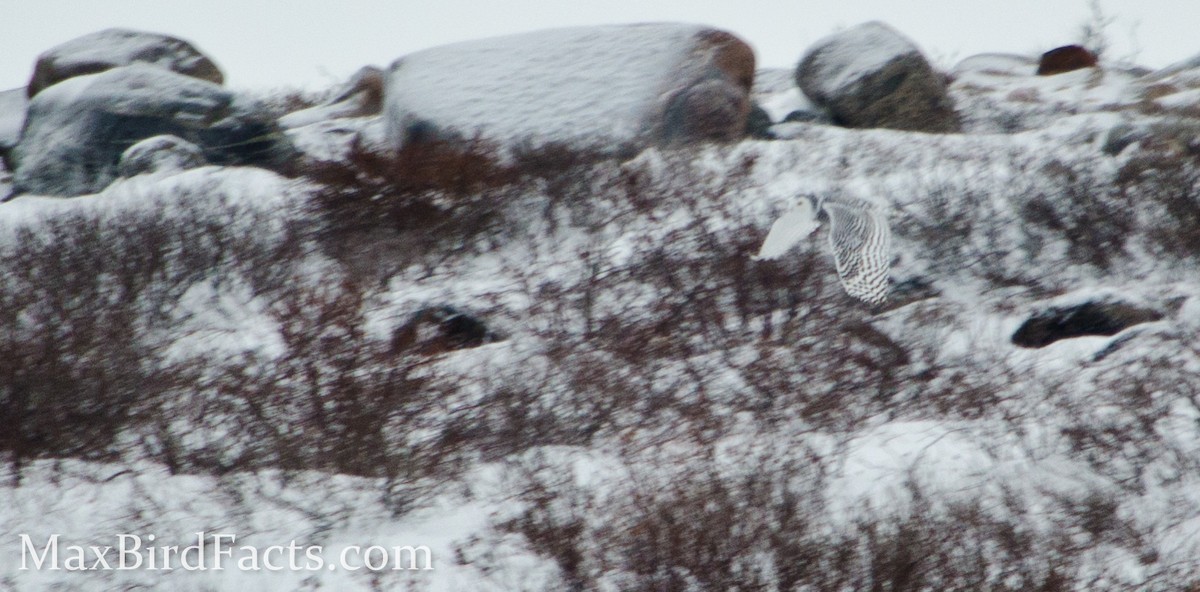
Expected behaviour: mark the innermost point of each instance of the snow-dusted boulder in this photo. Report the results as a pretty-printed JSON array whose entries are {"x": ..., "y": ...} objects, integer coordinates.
[
  {"x": 872, "y": 76},
  {"x": 362, "y": 96},
  {"x": 160, "y": 154},
  {"x": 77, "y": 129},
  {"x": 110, "y": 48},
  {"x": 603, "y": 86}
]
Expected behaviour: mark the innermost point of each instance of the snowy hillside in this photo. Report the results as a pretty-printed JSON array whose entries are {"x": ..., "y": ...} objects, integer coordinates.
[{"x": 550, "y": 369}]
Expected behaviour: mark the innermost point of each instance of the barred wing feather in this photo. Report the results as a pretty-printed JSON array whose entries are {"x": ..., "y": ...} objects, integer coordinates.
[{"x": 861, "y": 243}]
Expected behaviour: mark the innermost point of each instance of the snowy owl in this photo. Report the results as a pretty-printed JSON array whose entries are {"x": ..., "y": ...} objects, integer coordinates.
[{"x": 858, "y": 234}]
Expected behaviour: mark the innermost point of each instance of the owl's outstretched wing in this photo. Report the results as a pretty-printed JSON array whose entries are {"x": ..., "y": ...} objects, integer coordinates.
[
  {"x": 788, "y": 230},
  {"x": 862, "y": 249}
]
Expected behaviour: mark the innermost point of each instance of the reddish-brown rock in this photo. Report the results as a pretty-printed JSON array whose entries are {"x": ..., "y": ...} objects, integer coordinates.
[{"x": 1065, "y": 59}]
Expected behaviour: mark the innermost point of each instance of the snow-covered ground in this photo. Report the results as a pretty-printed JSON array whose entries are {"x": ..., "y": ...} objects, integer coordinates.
[{"x": 653, "y": 385}]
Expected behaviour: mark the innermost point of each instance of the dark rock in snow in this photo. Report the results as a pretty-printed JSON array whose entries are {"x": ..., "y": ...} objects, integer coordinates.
[
  {"x": 1089, "y": 318},
  {"x": 1067, "y": 58},
  {"x": 799, "y": 116},
  {"x": 111, "y": 48},
  {"x": 77, "y": 130},
  {"x": 911, "y": 289},
  {"x": 872, "y": 76},
  {"x": 758, "y": 123},
  {"x": 248, "y": 135},
  {"x": 440, "y": 329},
  {"x": 160, "y": 154}
]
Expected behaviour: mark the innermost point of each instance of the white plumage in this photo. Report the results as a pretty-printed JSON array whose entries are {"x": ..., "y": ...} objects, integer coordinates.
[{"x": 858, "y": 235}]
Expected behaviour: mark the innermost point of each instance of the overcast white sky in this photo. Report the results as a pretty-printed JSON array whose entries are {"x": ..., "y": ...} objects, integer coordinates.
[{"x": 316, "y": 43}]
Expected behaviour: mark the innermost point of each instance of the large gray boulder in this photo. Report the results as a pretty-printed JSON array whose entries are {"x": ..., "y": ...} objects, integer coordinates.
[
  {"x": 76, "y": 131},
  {"x": 872, "y": 76},
  {"x": 597, "y": 87},
  {"x": 110, "y": 48}
]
